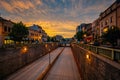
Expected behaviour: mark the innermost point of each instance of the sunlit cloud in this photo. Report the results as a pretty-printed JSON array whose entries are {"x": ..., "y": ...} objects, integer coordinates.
[
  {"x": 56, "y": 27},
  {"x": 55, "y": 16}
]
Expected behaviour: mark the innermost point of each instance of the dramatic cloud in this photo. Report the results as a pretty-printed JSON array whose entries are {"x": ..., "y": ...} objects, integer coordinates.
[{"x": 55, "y": 16}]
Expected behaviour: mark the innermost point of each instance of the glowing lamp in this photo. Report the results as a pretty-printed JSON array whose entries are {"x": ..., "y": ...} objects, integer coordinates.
[
  {"x": 46, "y": 45},
  {"x": 87, "y": 56}
]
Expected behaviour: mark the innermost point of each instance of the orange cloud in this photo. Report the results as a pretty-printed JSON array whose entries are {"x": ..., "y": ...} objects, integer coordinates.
[
  {"x": 6, "y": 6},
  {"x": 66, "y": 29}
]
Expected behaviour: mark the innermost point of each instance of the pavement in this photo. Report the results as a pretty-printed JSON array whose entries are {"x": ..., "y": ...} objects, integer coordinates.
[
  {"x": 64, "y": 68},
  {"x": 33, "y": 70}
]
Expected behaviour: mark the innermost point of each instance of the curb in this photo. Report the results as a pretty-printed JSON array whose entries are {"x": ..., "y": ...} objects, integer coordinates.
[{"x": 44, "y": 72}]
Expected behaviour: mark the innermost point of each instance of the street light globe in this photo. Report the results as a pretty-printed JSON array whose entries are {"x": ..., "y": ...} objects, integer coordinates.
[
  {"x": 46, "y": 45},
  {"x": 24, "y": 49},
  {"x": 87, "y": 56},
  {"x": 84, "y": 35}
]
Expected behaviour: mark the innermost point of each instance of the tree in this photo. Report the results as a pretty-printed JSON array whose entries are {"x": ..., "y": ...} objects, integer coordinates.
[
  {"x": 79, "y": 35},
  {"x": 48, "y": 39},
  {"x": 112, "y": 35},
  {"x": 19, "y": 31}
]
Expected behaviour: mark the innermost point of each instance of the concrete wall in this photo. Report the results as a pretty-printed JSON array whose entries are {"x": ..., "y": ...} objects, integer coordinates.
[
  {"x": 95, "y": 67},
  {"x": 13, "y": 59}
]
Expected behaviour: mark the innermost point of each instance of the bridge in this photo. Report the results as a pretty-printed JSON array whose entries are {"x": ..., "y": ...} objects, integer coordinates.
[{"x": 68, "y": 62}]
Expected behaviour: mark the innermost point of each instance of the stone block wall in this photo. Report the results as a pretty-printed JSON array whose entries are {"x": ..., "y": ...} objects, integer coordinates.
[
  {"x": 14, "y": 59},
  {"x": 94, "y": 68}
]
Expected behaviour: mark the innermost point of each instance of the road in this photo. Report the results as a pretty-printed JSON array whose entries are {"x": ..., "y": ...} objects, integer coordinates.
[
  {"x": 33, "y": 70},
  {"x": 64, "y": 68}
]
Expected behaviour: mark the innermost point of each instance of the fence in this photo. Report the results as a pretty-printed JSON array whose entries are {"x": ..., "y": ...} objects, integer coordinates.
[
  {"x": 92, "y": 67},
  {"x": 113, "y": 54}
]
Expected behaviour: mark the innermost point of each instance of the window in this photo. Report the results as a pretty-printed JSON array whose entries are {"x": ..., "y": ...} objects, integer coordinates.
[
  {"x": 9, "y": 29},
  {"x": 111, "y": 19},
  {"x": 101, "y": 24},
  {"x": 5, "y": 28},
  {"x": 106, "y": 22}
]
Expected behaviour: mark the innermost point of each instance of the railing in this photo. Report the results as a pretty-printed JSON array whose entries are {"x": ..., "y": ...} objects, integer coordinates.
[{"x": 110, "y": 53}]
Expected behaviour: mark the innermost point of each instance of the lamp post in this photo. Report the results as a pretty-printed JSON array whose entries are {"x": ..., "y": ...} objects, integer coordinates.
[
  {"x": 49, "y": 57},
  {"x": 48, "y": 52},
  {"x": 24, "y": 54}
]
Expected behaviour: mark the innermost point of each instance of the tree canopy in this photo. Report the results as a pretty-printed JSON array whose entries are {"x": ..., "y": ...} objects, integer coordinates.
[
  {"x": 19, "y": 31},
  {"x": 79, "y": 35},
  {"x": 112, "y": 35}
]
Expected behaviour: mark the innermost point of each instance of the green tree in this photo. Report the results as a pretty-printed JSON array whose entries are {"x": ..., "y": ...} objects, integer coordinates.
[
  {"x": 19, "y": 31},
  {"x": 79, "y": 35},
  {"x": 48, "y": 39},
  {"x": 112, "y": 35}
]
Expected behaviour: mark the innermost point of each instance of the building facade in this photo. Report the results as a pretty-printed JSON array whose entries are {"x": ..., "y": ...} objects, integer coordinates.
[
  {"x": 44, "y": 36},
  {"x": 87, "y": 29},
  {"x": 35, "y": 34},
  {"x": 96, "y": 29},
  {"x": 118, "y": 13},
  {"x": 5, "y": 29},
  {"x": 81, "y": 27},
  {"x": 110, "y": 17},
  {"x": 88, "y": 36}
]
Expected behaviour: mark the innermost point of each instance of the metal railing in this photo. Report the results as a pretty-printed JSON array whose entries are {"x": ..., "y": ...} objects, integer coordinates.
[{"x": 113, "y": 54}]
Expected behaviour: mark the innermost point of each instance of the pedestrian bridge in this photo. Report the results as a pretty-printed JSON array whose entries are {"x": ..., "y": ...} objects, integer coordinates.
[{"x": 69, "y": 63}]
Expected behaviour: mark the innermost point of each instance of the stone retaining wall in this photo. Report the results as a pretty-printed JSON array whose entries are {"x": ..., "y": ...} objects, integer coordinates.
[
  {"x": 14, "y": 59},
  {"x": 95, "y": 67}
]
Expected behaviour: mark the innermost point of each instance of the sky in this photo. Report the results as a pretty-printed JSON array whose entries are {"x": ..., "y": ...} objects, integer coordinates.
[{"x": 57, "y": 17}]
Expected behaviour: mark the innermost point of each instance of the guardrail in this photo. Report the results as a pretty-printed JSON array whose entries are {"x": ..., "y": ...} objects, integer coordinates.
[{"x": 113, "y": 54}]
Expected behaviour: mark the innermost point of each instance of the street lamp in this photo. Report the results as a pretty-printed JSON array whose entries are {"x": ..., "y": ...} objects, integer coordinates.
[
  {"x": 87, "y": 56},
  {"x": 24, "y": 49},
  {"x": 49, "y": 57},
  {"x": 48, "y": 52}
]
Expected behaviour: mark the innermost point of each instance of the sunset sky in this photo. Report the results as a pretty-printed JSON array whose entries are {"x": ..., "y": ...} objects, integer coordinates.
[{"x": 55, "y": 16}]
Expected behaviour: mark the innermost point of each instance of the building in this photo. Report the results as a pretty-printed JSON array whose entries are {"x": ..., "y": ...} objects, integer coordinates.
[
  {"x": 96, "y": 29},
  {"x": 35, "y": 34},
  {"x": 118, "y": 13},
  {"x": 44, "y": 36},
  {"x": 87, "y": 28},
  {"x": 110, "y": 17},
  {"x": 81, "y": 27},
  {"x": 88, "y": 36},
  {"x": 5, "y": 29},
  {"x": 58, "y": 38}
]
